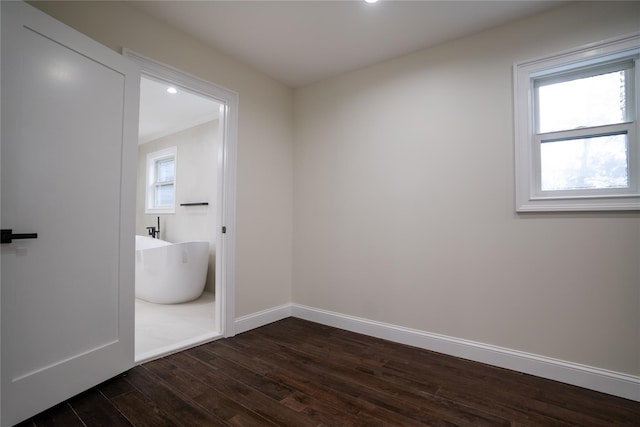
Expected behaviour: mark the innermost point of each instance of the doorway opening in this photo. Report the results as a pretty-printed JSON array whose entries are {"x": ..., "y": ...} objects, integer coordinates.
[{"x": 190, "y": 202}]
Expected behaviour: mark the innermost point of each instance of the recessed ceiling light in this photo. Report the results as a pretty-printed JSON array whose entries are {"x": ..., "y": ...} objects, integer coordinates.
[
  {"x": 371, "y": 1},
  {"x": 172, "y": 90}
]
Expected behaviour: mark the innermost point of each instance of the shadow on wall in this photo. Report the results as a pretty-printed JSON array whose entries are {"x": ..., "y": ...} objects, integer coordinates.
[{"x": 195, "y": 182}]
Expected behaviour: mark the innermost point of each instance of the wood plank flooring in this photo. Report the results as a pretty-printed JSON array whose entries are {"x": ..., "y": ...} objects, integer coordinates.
[{"x": 298, "y": 373}]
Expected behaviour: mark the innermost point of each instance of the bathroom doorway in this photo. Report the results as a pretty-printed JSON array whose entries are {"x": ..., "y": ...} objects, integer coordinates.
[{"x": 195, "y": 122}]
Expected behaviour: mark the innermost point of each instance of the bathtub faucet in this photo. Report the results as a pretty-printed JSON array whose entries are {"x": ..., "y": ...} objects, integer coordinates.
[{"x": 153, "y": 232}]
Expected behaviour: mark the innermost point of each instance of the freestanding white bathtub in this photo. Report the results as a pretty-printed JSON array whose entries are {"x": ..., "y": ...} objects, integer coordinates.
[{"x": 170, "y": 273}]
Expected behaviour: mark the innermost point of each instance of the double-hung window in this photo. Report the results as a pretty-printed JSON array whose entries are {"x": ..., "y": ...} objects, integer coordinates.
[
  {"x": 577, "y": 129},
  {"x": 161, "y": 181}
]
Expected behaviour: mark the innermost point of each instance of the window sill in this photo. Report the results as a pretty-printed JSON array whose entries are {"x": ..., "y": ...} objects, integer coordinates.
[{"x": 583, "y": 203}]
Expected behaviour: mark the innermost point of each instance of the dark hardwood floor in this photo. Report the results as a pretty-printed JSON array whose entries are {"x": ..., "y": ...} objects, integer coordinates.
[{"x": 298, "y": 373}]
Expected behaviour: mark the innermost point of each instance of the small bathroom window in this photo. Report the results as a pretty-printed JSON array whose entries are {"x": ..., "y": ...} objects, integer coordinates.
[{"x": 161, "y": 181}]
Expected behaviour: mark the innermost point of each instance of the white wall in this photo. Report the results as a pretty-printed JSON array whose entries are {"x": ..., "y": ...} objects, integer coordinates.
[
  {"x": 196, "y": 181},
  {"x": 404, "y": 203},
  {"x": 265, "y": 139}
]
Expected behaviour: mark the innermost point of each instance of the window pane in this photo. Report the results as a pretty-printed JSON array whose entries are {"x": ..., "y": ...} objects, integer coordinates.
[
  {"x": 585, "y": 102},
  {"x": 588, "y": 163},
  {"x": 165, "y": 170},
  {"x": 164, "y": 195}
]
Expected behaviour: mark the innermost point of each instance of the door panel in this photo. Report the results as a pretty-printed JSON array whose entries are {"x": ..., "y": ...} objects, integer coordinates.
[{"x": 69, "y": 124}]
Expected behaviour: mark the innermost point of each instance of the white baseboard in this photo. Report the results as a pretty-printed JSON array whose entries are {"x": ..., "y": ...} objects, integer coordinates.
[
  {"x": 602, "y": 380},
  {"x": 261, "y": 318}
]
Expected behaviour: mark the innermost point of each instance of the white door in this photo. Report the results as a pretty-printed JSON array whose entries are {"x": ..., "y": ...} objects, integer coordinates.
[{"x": 68, "y": 151}]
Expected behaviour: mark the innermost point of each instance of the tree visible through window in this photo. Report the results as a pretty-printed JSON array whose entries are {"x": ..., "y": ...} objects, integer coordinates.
[{"x": 591, "y": 162}]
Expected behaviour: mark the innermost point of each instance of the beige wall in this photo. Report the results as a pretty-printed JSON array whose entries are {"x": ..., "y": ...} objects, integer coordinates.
[
  {"x": 404, "y": 207},
  {"x": 404, "y": 203},
  {"x": 264, "y": 174},
  {"x": 196, "y": 181}
]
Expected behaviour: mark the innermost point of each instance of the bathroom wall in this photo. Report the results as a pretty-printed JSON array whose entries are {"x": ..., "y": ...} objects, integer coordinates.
[
  {"x": 196, "y": 181},
  {"x": 265, "y": 139},
  {"x": 404, "y": 206}
]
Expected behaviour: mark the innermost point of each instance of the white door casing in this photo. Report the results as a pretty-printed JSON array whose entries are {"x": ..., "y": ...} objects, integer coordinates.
[
  {"x": 68, "y": 158},
  {"x": 226, "y": 180}
]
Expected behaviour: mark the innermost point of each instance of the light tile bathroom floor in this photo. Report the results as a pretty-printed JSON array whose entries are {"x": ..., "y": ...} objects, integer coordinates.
[{"x": 164, "y": 328}]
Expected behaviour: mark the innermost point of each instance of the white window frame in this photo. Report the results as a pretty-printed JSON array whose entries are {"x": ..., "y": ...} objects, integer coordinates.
[
  {"x": 529, "y": 196},
  {"x": 150, "y": 194}
]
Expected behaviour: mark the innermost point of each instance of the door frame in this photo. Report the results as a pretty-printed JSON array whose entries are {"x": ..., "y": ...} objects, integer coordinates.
[{"x": 226, "y": 178}]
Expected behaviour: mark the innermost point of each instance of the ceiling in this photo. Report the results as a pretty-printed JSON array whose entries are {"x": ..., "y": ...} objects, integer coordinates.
[
  {"x": 163, "y": 113},
  {"x": 302, "y": 42}
]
